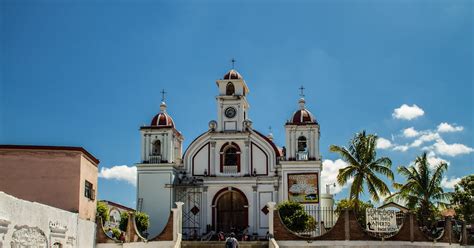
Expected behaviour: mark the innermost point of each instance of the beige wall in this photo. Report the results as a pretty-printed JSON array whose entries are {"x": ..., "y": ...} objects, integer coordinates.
[
  {"x": 52, "y": 177},
  {"x": 89, "y": 172}
]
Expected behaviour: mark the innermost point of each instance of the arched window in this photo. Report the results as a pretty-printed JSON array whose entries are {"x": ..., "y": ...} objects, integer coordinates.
[
  {"x": 57, "y": 245},
  {"x": 230, "y": 89},
  {"x": 302, "y": 147},
  {"x": 230, "y": 158},
  {"x": 156, "y": 148}
]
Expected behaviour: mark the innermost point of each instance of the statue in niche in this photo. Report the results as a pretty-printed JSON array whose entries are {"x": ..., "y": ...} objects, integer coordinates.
[{"x": 25, "y": 237}]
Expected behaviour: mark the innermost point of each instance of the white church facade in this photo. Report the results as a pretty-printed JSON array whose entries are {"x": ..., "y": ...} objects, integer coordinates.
[{"x": 229, "y": 173}]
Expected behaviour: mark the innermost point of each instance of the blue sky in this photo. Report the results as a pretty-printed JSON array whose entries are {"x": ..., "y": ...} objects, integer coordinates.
[{"x": 88, "y": 73}]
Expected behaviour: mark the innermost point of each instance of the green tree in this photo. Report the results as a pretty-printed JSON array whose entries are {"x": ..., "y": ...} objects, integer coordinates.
[
  {"x": 350, "y": 204},
  {"x": 102, "y": 211},
  {"x": 422, "y": 190},
  {"x": 142, "y": 221},
  {"x": 295, "y": 218},
  {"x": 463, "y": 199},
  {"x": 363, "y": 167}
]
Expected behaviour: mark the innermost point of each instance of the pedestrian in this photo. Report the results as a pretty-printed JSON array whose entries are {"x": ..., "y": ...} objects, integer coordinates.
[{"x": 231, "y": 241}]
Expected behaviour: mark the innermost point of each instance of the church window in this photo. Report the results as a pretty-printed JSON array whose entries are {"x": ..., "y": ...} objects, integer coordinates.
[
  {"x": 230, "y": 158},
  {"x": 156, "y": 148},
  {"x": 230, "y": 89},
  {"x": 302, "y": 147}
]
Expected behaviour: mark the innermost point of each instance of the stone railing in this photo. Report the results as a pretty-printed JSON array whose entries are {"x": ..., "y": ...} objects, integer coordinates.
[{"x": 230, "y": 170}]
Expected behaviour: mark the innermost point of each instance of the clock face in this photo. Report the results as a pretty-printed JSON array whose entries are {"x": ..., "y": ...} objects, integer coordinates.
[{"x": 230, "y": 112}]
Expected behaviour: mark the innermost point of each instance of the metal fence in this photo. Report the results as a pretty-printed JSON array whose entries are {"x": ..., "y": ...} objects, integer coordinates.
[{"x": 324, "y": 218}]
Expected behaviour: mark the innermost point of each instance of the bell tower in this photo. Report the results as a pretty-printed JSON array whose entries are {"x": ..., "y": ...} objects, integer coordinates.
[{"x": 232, "y": 105}]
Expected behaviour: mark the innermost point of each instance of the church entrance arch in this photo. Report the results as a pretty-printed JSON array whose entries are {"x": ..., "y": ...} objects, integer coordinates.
[{"x": 230, "y": 210}]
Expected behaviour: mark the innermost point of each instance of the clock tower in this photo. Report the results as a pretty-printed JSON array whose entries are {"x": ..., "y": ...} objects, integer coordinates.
[{"x": 232, "y": 105}]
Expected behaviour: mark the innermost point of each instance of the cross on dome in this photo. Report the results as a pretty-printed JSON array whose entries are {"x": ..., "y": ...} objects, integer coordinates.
[{"x": 302, "y": 90}]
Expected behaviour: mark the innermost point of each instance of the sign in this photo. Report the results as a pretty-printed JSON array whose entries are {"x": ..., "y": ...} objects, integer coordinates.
[
  {"x": 303, "y": 188},
  {"x": 381, "y": 220}
]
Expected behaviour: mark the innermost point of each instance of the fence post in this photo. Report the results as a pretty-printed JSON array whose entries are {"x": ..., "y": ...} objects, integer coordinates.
[
  {"x": 347, "y": 233},
  {"x": 463, "y": 234},
  {"x": 177, "y": 220},
  {"x": 271, "y": 212}
]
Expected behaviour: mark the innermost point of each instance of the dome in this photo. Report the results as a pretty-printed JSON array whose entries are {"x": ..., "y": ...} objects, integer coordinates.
[
  {"x": 302, "y": 116},
  {"x": 232, "y": 74},
  {"x": 162, "y": 119}
]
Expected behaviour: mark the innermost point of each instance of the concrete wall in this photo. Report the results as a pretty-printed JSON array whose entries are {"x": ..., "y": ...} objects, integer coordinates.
[
  {"x": 151, "y": 244},
  {"x": 37, "y": 225},
  {"x": 365, "y": 244},
  {"x": 89, "y": 172},
  {"x": 49, "y": 177}
]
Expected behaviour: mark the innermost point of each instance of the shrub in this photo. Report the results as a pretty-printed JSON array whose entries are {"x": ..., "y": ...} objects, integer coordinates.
[
  {"x": 345, "y": 203},
  {"x": 295, "y": 217},
  {"x": 102, "y": 211},
  {"x": 141, "y": 219},
  {"x": 116, "y": 233}
]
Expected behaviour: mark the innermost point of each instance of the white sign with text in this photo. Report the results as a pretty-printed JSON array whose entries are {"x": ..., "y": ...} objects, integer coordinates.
[{"x": 381, "y": 220}]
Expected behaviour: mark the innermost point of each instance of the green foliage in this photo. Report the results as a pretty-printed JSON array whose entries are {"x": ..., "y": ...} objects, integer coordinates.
[
  {"x": 116, "y": 233},
  {"x": 295, "y": 218},
  {"x": 102, "y": 211},
  {"x": 463, "y": 199},
  {"x": 422, "y": 191},
  {"x": 363, "y": 167},
  {"x": 123, "y": 221},
  {"x": 350, "y": 204},
  {"x": 141, "y": 219}
]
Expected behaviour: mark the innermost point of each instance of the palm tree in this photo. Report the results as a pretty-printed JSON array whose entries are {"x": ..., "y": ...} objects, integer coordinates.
[
  {"x": 422, "y": 190},
  {"x": 363, "y": 167}
]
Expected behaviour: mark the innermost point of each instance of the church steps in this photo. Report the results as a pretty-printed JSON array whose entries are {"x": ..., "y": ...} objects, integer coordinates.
[{"x": 221, "y": 244}]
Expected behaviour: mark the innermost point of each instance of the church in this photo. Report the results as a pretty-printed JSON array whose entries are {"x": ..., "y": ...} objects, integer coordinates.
[{"x": 230, "y": 172}]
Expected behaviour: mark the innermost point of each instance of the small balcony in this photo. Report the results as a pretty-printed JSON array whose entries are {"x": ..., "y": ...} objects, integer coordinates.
[
  {"x": 155, "y": 159},
  {"x": 230, "y": 170},
  {"x": 302, "y": 156}
]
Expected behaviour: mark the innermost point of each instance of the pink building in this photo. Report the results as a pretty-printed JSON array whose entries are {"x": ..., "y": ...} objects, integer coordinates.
[{"x": 59, "y": 176}]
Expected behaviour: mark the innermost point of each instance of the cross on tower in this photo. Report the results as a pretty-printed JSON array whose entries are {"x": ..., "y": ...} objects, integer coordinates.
[
  {"x": 163, "y": 92},
  {"x": 302, "y": 91},
  {"x": 269, "y": 129},
  {"x": 233, "y": 62}
]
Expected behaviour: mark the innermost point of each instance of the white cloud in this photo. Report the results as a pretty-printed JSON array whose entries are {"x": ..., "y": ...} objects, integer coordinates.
[
  {"x": 383, "y": 143},
  {"x": 407, "y": 112},
  {"x": 446, "y": 128},
  {"x": 329, "y": 175},
  {"x": 434, "y": 161},
  {"x": 449, "y": 183},
  {"x": 442, "y": 148},
  {"x": 426, "y": 137},
  {"x": 401, "y": 148},
  {"x": 120, "y": 173},
  {"x": 410, "y": 132}
]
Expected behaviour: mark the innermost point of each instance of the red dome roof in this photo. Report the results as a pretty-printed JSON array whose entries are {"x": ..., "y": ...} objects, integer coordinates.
[
  {"x": 162, "y": 120},
  {"x": 232, "y": 74},
  {"x": 302, "y": 116}
]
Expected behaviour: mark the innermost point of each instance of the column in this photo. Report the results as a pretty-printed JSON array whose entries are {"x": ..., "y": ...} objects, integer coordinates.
[
  {"x": 143, "y": 148},
  {"x": 147, "y": 145},
  {"x": 204, "y": 205},
  {"x": 275, "y": 193},
  {"x": 247, "y": 161},
  {"x": 310, "y": 143},
  {"x": 212, "y": 170},
  {"x": 255, "y": 208},
  {"x": 271, "y": 209},
  {"x": 166, "y": 148}
]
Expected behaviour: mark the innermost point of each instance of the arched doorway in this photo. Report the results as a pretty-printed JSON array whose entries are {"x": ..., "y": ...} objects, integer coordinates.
[{"x": 230, "y": 210}]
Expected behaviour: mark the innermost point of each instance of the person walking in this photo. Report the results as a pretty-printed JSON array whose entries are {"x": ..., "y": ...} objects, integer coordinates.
[{"x": 231, "y": 241}]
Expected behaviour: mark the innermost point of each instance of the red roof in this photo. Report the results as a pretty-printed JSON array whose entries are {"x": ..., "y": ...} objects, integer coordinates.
[
  {"x": 162, "y": 120},
  {"x": 232, "y": 74},
  {"x": 302, "y": 117}
]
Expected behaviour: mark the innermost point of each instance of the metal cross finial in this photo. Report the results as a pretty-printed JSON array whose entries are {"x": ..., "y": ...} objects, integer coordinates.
[
  {"x": 270, "y": 129},
  {"x": 163, "y": 92},
  {"x": 233, "y": 62},
  {"x": 302, "y": 91}
]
